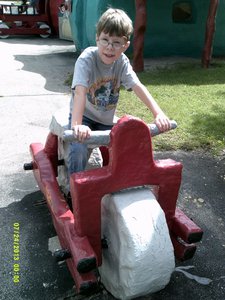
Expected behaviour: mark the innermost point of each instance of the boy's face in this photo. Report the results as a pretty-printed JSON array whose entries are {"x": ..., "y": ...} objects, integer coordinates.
[{"x": 111, "y": 47}]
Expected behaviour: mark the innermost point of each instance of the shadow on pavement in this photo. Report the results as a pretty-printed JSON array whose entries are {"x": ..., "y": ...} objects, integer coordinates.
[
  {"x": 40, "y": 276},
  {"x": 59, "y": 67}
]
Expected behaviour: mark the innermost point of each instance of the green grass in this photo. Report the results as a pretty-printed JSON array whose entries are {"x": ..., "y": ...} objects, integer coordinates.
[{"x": 191, "y": 95}]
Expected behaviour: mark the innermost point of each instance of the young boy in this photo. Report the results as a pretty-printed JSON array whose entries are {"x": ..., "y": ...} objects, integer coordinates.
[{"x": 99, "y": 73}]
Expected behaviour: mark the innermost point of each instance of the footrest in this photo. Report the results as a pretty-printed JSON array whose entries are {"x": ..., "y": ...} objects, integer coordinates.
[{"x": 185, "y": 228}]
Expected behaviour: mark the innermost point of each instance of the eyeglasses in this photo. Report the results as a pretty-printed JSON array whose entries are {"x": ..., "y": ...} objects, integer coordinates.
[{"x": 106, "y": 43}]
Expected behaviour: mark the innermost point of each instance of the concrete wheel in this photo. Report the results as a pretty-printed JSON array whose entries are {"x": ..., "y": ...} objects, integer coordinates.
[
  {"x": 3, "y": 25},
  {"x": 138, "y": 256},
  {"x": 43, "y": 26}
]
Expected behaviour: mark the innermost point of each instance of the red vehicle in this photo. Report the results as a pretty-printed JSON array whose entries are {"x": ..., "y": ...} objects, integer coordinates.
[
  {"x": 25, "y": 19},
  {"x": 128, "y": 162}
]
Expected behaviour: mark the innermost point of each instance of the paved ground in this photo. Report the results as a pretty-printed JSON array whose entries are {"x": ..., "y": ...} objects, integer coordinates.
[{"x": 32, "y": 73}]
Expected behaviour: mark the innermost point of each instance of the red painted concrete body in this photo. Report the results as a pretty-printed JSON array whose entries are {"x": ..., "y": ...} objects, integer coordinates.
[
  {"x": 128, "y": 163},
  {"x": 54, "y": 12}
]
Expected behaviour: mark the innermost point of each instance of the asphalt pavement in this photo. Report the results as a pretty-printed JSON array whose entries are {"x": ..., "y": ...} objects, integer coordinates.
[{"x": 32, "y": 87}]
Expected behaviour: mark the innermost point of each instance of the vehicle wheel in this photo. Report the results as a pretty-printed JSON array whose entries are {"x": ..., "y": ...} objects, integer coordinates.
[
  {"x": 3, "y": 25},
  {"x": 42, "y": 26},
  {"x": 138, "y": 256}
]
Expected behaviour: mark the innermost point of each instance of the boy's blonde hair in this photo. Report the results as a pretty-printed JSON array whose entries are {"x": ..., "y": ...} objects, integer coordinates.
[{"x": 115, "y": 22}]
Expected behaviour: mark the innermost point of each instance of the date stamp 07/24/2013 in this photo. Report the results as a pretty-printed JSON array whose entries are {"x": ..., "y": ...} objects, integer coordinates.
[{"x": 16, "y": 253}]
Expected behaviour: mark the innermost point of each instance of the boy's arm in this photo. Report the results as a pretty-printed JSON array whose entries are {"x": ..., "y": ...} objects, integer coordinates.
[
  {"x": 161, "y": 120},
  {"x": 81, "y": 132}
]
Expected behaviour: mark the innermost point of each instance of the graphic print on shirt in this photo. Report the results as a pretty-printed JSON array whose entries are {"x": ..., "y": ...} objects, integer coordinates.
[{"x": 104, "y": 94}]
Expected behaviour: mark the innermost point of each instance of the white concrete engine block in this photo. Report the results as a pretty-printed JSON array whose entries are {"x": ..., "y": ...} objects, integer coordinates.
[{"x": 140, "y": 258}]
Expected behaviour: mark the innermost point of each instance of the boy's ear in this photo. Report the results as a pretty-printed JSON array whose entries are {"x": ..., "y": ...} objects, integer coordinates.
[{"x": 126, "y": 46}]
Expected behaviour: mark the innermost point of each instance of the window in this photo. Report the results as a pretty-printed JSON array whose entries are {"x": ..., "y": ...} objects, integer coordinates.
[{"x": 182, "y": 12}]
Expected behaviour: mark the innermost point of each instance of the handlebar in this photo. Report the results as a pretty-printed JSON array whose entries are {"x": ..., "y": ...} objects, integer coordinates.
[{"x": 102, "y": 138}]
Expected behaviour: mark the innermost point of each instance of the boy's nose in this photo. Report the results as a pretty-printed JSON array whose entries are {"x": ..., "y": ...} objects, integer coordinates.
[{"x": 110, "y": 45}]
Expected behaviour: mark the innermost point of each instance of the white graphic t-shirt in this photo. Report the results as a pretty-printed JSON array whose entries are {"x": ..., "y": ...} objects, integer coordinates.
[{"x": 103, "y": 83}]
